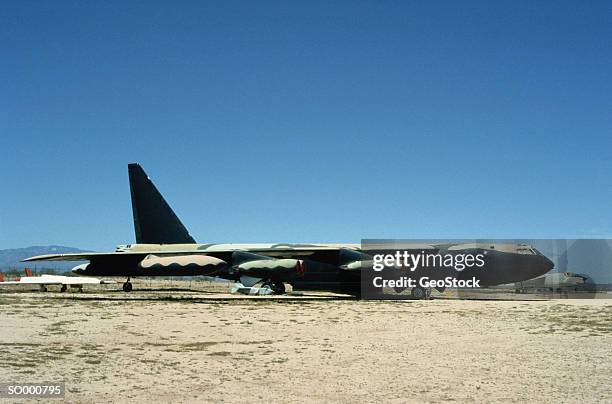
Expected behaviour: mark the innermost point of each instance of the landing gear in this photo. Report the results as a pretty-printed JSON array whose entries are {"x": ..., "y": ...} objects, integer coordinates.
[
  {"x": 277, "y": 287},
  {"x": 418, "y": 293},
  {"x": 127, "y": 286},
  {"x": 64, "y": 288}
]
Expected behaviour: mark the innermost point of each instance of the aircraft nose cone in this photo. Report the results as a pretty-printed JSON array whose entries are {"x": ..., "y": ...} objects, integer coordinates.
[
  {"x": 548, "y": 264},
  {"x": 544, "y": 265}
]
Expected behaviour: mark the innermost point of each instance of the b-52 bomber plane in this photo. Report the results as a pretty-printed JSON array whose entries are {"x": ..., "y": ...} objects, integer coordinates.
[{"x": 164, "y": 247}]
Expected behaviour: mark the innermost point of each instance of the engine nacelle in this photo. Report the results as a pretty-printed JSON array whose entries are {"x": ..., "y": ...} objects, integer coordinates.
[
  {"x": 272, "y": 268},
  {"x": 182, "y": 265},
  {"x": 354, "y": 260}
]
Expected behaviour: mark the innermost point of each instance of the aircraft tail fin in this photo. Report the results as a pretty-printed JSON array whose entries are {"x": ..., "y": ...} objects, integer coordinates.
[
  {"x": 154, "y": 220},
  {"x": 28, "y": 272}
]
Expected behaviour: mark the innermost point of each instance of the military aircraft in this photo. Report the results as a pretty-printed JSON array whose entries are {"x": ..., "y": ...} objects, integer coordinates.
[
  {"x": 557, "y": 281},
  {"x": 164, "y": 247},
  {"x": 45, "y": 280}
]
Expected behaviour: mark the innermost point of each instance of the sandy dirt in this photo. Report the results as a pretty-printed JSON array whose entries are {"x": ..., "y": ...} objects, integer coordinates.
[{"x": 187, "y": 346}]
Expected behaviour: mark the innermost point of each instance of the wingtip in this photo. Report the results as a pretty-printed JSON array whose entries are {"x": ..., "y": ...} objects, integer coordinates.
[{"x": 38, "y": 257}]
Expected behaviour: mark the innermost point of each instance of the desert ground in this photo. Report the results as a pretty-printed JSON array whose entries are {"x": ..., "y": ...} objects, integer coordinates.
[{"x": 186, "y": 343}]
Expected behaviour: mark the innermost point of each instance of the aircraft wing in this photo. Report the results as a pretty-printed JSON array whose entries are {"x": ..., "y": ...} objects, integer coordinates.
[
  {"x": 80, "y": 256},
  {"x": 277, "y": 250},
  {"x": 248, "y": 263}
]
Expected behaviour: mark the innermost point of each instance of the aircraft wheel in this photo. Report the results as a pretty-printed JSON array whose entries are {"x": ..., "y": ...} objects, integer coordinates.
[
  {"x": 127, "y": 287},
  {"x": 278, "y": 288},
  {"x": 63, "y": 289},
  {"x": 418, "y": 293}
]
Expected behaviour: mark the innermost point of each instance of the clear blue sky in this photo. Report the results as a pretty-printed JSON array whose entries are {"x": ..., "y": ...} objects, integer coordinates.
[{"x": 311, "y": 121}]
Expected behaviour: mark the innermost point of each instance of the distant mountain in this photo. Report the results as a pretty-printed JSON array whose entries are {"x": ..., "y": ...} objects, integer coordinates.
[{"x": 10, "y": 259}]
